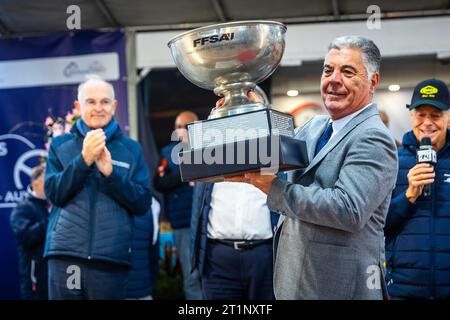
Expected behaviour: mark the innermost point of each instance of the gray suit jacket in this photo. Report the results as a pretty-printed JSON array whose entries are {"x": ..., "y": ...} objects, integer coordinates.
[{"x": 329, "y": 241}]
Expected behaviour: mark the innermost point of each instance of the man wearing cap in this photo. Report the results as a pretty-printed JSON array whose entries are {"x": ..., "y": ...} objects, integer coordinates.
[{"x": 418, "y": 225}]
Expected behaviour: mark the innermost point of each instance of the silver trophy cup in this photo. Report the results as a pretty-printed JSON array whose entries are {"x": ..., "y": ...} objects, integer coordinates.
[{"x": 230, "y": 59}]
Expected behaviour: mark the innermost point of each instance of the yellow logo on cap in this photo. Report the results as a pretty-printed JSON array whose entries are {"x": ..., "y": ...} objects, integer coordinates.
[{"x": 428, "y": 92}]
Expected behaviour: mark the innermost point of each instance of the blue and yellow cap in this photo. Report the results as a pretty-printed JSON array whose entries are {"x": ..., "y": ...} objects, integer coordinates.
[{"x": 431, "y": 92}]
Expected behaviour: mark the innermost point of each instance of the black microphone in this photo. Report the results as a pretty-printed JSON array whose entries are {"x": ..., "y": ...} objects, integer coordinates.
[{"x": 426, "y": 154}]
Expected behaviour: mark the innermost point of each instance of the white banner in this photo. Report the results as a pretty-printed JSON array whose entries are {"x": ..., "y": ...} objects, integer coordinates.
[{"x": 57, "y": 71}]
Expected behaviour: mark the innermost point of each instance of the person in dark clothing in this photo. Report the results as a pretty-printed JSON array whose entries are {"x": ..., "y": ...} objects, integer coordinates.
[
  {"x": 145, "y": 266},
  {"x": 29, "y": 223},
  {"x": 97, "y": 181},
  {"x": 178, "y": 199},
  {"x": 418, "y": 225}
]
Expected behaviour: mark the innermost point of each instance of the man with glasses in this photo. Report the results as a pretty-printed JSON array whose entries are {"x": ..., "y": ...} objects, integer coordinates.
[
  {"x": 418, "y": 222},
  {"x": 97, "y": 180}
]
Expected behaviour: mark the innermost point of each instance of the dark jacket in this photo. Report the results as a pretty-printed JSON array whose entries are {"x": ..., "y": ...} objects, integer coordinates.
[
  {"x": 201, "y": 206},
  {"x": 29, "y": 223},
  {"x": 177, "y": 194},
  {"x": 145, "y": 267},
  {"x": 92, "y": 217},
  {"x": 418, "y": 235}
]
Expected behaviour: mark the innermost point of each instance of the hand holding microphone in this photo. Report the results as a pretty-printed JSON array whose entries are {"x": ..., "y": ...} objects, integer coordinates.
[{"x": 422, "y": 174}]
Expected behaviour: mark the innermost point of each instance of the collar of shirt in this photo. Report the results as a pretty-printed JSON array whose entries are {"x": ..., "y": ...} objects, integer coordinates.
[{"x": 340, "y": 123}]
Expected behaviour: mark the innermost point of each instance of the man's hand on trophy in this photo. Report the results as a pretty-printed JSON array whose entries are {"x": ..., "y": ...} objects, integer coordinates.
[
  {"x": 261, "y": 181},
  {"x": 252, "y": 97}
]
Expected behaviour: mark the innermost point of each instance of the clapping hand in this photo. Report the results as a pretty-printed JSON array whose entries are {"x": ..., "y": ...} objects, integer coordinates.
[
  {"x": 93, "y": 145},
  {"x": 104, "y": 163}
]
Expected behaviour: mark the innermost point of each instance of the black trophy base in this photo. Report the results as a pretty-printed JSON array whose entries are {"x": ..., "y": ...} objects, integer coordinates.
[{"x": 213, "y": 164}]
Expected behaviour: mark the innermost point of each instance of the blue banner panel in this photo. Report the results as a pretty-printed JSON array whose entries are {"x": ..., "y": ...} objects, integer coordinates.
[{"x": 39, "y": 76}]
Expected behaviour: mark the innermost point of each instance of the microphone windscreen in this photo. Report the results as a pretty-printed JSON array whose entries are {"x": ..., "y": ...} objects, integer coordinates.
[{"x": 426, "y": 141}]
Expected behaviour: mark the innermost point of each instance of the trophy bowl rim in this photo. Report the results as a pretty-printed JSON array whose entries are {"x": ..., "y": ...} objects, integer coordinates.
[{"x": 226, "y": 25}]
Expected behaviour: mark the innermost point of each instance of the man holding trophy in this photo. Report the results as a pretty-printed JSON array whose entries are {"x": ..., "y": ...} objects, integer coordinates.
[
  {"x": 329, "y": 241},
  {"x": 330, "y": 236}
]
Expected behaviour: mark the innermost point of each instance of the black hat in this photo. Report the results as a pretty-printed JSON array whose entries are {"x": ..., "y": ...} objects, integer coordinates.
[{"x": 432, "y": 92}]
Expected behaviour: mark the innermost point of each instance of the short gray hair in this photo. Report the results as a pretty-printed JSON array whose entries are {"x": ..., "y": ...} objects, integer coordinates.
[
  {"x": 370, "y": 52},
  {"x": 93, "y": 79}
]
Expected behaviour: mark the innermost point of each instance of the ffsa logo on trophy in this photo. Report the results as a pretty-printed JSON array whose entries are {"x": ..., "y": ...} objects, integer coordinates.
[
  {"x": 21, "y": 152},
  {"x": 215, "y": 38}
]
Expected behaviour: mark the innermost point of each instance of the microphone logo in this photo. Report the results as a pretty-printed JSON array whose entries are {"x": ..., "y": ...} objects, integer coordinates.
[{"x": 426, "y": 154}]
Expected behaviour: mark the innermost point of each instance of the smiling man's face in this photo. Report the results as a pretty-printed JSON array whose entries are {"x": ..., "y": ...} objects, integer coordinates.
[
  {"x": 97, "y": 105},
  {"x": 431, "y": 122},
  {"x": 344, "y": 85}
]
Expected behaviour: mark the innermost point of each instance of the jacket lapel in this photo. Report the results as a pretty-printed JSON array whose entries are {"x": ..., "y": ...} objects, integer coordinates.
[
  {"x": 369, "y": 112},
  {"x": 312, "y": 139}
]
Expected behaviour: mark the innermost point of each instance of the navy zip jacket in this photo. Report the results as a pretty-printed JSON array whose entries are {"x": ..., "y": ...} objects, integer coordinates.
[
  {"x": 92, "y": 217},
  {"x": 145, "y": 270},
  {"x": 178, "y": 194},
  {"x": 29, "y": 222},
  {"x": 418, "y": 235}
]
